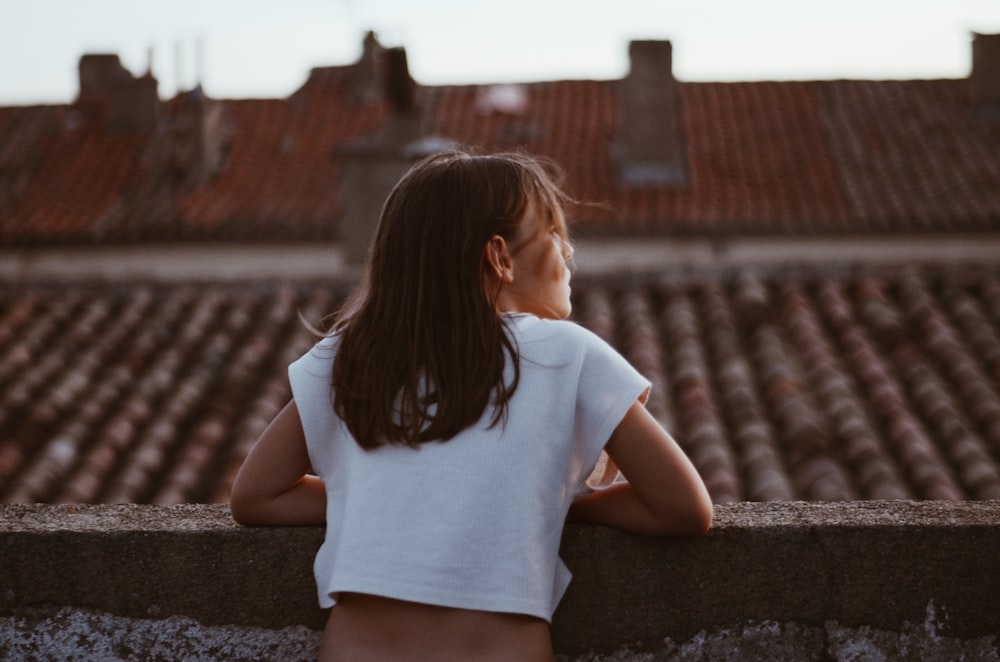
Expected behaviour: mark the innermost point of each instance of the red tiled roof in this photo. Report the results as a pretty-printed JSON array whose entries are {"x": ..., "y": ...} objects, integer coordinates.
[
  {"x": 809, "y": 385},
  {"x": 76, "y": 172},
  {"x": 803, "y": 157},
  {"x": 280, "y": 168},
  {"x": 912, "y": 155}
]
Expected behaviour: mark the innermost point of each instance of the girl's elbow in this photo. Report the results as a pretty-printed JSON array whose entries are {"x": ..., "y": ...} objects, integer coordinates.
[
  {"x": 244, "y": 509},
  {"x": 694, "y": 522},
  {"x": 701, "y": 512},
  {"x": 701, "y": 521},
  {"x": 239, "y": 511},
  {"x": 702, "y": 515}
]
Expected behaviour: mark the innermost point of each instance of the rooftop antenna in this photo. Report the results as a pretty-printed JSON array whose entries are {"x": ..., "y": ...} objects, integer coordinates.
[
  {"x": 178, "y": 67},
  {"x": 199, "y": 61}
]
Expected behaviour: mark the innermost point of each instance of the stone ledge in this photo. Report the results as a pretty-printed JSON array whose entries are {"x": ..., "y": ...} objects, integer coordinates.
[{"x": 860, "y": 564}]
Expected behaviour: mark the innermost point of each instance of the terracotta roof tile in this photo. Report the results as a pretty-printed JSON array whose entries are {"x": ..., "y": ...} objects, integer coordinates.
[
  {"x": 920, "y": 458},
  {"x": 771, "y": 157},
  {"x": 896, "y": 180},
  {"x": 82, "y": 171},
  {"x": 879, "y": 384},
  {"x": 281, "y": 165}
]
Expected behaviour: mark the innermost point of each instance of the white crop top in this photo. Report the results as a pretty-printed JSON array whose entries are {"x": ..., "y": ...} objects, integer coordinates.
[{"x": 474, "y": 522}]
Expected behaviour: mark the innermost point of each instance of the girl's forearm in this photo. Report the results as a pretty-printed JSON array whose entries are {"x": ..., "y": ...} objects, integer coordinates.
[
  {"x": 620, "y": 507},
  {"x": 304, "y": 504}
]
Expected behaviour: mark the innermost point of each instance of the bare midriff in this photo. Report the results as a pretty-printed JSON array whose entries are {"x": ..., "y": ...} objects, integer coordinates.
[{"x": 369, "y": 627}]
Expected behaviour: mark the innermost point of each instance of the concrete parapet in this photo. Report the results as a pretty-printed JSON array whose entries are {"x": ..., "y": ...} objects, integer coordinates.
[{"x": 878, "y": 565}]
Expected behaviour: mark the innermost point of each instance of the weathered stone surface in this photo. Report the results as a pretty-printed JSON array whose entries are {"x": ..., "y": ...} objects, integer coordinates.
[
  {"x": 67, "y": 633},
  {"x": 77, "y": 634},
  {"x": 142, "y": 561},
  {"x": 874, "y": 567}
]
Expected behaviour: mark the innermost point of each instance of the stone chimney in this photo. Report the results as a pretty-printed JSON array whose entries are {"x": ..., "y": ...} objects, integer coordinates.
[
  {"x": 197, "y": 138},
  {"x": 131, "y": 104},
  {"x": 370, "y": 167},
  {"x": 650, "y": 150},
  {"x": 367, "y": 75},
  {"x": 400, "y": 92},
  {"x": 985, "y": 76}
]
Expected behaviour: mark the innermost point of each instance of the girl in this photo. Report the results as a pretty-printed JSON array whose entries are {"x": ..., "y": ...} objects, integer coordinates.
[{"x": 451, "y": 417}]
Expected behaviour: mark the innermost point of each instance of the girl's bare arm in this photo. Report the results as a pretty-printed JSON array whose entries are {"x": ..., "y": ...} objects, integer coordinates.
[
  {"x": 664, "y": 494},
  {"x": 273, "y": 487}
]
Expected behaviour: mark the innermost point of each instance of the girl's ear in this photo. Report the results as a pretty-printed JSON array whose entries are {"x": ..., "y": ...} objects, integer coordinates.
[{"x": 499, "y": 259}]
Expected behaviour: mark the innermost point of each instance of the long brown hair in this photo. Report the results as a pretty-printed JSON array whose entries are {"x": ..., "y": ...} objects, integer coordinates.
[{"x": 422, "y": 347}]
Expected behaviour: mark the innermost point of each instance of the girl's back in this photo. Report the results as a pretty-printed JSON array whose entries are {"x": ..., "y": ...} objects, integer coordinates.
[
  {"x": 443, "y": 430},
  {"x": 368, "y": 627},
  {"x": 474, "y": 522}
]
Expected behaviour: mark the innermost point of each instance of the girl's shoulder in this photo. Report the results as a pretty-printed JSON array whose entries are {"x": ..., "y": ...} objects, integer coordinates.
[
  {"x": 319, "y": 357},
  {"x": 536, "y": 328},
  {"x": 327, "y": 342},
  {"x": 326, "y": 346},
  {"x": 558, "y": 340}
]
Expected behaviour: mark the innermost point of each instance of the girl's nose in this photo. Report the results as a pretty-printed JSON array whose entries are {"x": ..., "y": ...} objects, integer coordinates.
[{"x": 568, "y": 251}]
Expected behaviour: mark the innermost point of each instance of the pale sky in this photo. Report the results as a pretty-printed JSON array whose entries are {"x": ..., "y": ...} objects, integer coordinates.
[{"x": 265, "y": 48}]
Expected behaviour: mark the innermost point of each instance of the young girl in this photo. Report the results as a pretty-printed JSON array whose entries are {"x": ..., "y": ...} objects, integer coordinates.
[{"x": 451, "y": 418}]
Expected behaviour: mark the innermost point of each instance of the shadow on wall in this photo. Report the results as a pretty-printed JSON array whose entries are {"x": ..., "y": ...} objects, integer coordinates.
[{"x": 794, "y": 580}]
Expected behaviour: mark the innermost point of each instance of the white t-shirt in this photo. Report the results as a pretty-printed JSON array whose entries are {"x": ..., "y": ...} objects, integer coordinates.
[{"x": 474, "y": 522}]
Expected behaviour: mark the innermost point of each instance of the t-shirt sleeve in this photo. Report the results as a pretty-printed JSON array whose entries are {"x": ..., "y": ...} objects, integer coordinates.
[
  {"x": 608, "y": 387},
  {"x": 310, "y": 378}
]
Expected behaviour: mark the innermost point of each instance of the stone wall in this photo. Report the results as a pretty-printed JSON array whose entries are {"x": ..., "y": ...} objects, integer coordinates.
[{"x": 132, "y": 580}]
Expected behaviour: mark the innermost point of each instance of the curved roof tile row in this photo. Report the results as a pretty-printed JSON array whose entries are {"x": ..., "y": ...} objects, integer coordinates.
[
  {"x": 812, "y": 385},
  {"x": 772, "y": 157}
]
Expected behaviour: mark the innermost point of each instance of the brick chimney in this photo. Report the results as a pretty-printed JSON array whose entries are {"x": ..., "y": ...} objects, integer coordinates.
[
  {"x": 985, "y": 76},
  {"x": 131, "y": 103},
  {"x": 370, "y": 167},
  {"x": 650, "y": 149}
]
